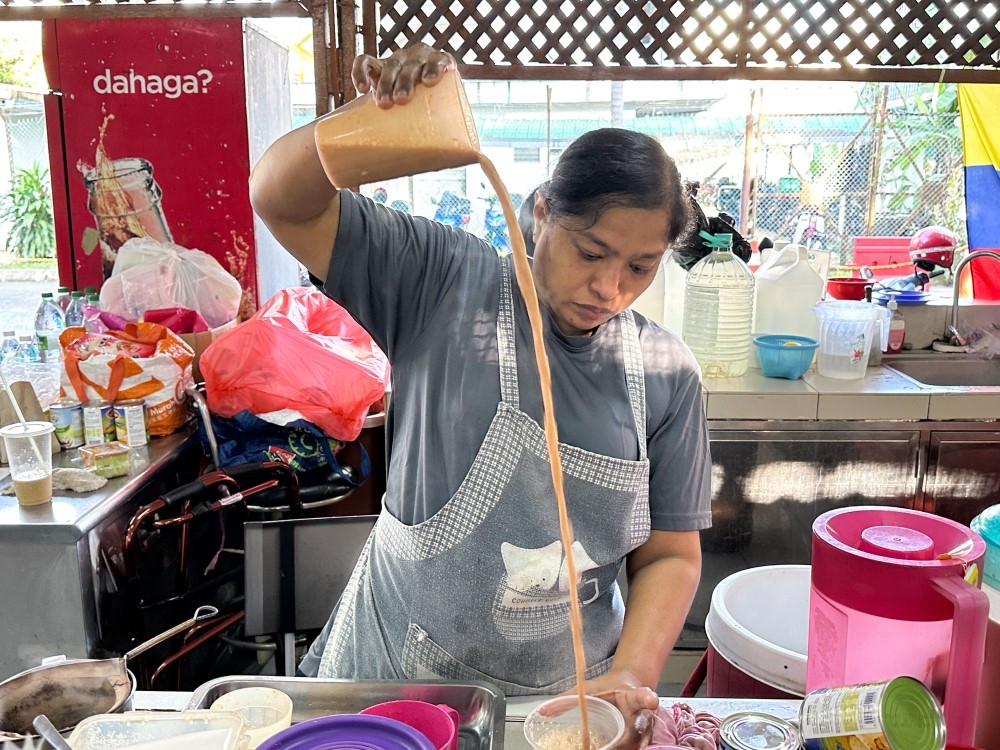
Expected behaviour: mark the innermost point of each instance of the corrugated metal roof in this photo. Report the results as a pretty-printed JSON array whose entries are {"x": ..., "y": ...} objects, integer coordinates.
[{"x": 496, "y": 130}]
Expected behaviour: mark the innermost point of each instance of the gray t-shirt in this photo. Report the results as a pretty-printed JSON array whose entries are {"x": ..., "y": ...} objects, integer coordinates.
[{"x": 429, "y": 295}]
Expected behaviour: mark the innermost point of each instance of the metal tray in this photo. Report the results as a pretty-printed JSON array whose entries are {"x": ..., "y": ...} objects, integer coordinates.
[{"x": 481, "y": 707}]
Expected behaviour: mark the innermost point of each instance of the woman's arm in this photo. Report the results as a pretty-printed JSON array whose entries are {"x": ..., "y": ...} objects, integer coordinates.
[
  {"x": 663, "y": 576},
  {"x": 289, "y": 189},
  {"x": 291, "y": 194}
]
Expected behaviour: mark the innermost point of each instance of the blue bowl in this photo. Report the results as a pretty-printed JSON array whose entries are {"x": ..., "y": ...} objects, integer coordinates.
[{"x": 784, "y": 356}]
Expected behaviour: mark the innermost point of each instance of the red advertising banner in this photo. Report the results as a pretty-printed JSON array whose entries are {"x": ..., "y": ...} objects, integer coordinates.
[{"x": 153, "y": 141}]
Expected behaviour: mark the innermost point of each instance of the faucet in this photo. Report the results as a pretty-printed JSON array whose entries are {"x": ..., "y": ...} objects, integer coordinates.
[{"x": 951, "y": 333}]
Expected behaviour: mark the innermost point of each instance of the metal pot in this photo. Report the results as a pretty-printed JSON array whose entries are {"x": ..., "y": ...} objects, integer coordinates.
[{"x": 67, "y": 691}]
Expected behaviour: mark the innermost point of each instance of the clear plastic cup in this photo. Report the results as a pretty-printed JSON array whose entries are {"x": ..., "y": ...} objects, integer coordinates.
[
  {"x": 29, "y": 453},
  {"x": 265, "y": 710},
  {"x": 556, "y": 724},
  {"x": 360, "y": 143}
]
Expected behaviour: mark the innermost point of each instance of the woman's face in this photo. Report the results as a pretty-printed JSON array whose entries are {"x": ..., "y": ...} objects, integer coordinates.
[{"x": 587, "y": 275}]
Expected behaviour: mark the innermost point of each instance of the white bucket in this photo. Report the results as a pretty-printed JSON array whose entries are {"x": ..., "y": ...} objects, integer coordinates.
[{"x": 759, "y": 622}]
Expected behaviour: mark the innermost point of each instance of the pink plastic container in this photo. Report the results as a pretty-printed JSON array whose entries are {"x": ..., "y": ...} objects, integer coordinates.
[
  {"x": 437, "y": 722},
  {"x": 883, "y": 605}
]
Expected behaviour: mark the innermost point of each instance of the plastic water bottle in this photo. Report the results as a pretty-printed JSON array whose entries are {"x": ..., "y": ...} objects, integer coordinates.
[
  {"x": 49, "y": 321},
  {"x": 63, "y": 297},
  {"x": 91, "y": 314},
  {"x": 718, "y": 310},
  {"x": 74, "y": 313},
  {"x": 9, "y": 346},
  {"x": 26, "y": 352}
]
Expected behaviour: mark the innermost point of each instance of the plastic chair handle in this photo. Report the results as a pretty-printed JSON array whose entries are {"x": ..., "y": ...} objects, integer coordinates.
[{"x": 965, "y": 659}]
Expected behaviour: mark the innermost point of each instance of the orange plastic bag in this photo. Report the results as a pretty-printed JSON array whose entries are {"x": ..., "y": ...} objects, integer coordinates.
[
  {"x": 146, "y": 361},
  {"x": 302, "y": 352}
]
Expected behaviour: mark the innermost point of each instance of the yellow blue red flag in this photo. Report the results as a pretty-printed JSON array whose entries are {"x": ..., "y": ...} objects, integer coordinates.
[{"x": 979, "y": 105}]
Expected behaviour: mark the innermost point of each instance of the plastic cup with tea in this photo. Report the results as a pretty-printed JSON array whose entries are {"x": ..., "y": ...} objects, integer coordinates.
[
  {"x": 360, "y": 143},
  {"x": 557, "y": 724},
  {"x": 29, "y": 452}
]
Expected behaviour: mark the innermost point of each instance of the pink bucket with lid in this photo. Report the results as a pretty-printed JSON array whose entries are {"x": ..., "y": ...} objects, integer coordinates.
[{"x": 889, "y": 597}]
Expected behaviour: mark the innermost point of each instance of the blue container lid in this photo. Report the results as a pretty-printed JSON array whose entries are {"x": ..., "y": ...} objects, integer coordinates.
[{"x": 348, "y": 732}]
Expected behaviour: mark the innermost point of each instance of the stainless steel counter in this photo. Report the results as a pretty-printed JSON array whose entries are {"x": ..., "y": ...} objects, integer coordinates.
[
  {"x": 518, "y": 708},
  {"x": 54, "y": 558},
  {"x": 71, "y": 515}
]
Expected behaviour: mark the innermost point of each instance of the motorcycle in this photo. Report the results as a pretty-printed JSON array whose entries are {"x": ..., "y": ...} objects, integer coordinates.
[
  {"x": 495, "y": 227},
  {"x": 453, "y": 211}
]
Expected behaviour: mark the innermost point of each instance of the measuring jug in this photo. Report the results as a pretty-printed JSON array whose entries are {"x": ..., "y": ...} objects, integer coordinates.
[
  {"x": 846, "y": 331},
  {"x": 889, "y": 598},
  {"x": 359, "y": 143}
]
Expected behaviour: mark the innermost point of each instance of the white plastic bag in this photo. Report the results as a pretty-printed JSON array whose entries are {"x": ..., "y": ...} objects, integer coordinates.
[{"x": 150, "y": 275}]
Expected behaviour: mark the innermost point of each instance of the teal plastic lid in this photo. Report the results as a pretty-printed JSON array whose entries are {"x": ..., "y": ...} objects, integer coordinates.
[{"x": 987, "y": 525}]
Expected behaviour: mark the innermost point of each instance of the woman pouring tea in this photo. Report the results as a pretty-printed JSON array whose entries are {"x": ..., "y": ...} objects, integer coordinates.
[{"x": 464, "y": 576}]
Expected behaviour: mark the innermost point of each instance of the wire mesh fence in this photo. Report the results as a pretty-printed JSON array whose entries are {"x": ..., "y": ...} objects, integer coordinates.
[
  {"x": 888, "y": 168},
  {"x": 25, "y": 139}
]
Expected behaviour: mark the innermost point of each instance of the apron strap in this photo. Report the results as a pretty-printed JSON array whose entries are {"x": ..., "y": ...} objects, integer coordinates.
[
  {"x": 634, "y": 376},
  {"x": 506, "y": 345}
]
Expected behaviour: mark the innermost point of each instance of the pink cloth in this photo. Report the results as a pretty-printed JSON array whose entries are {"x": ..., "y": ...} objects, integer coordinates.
[{"x": 682, "y": 726}]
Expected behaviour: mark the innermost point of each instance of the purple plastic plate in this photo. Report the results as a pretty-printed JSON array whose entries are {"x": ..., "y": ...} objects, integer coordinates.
[{"x": 348, "y": 732}]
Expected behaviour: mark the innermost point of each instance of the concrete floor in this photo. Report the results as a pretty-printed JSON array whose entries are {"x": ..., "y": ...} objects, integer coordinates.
[{"x": 18, "y": 302}]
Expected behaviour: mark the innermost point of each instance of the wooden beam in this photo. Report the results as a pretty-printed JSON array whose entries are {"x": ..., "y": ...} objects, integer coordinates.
[
  {"x": 714, "y": 73},
  {"x": 321, "y": 55},
  {"x": 103, "y": 11}
]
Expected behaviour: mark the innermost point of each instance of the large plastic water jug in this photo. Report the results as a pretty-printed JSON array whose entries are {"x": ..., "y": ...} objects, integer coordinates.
[
  {"x": 787, "y": 288},
  {"x": 718, "y": 310},
  {"x": 889, "y": 598}
]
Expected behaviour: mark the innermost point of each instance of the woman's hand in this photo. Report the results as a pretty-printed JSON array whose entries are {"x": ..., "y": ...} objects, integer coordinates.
[
  {"x": 392, "y": 80},
  {"x": 637, "y": 703}
]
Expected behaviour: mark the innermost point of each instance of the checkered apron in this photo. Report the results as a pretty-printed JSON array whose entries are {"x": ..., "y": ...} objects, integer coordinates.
[{"x": 480, "y": 590}]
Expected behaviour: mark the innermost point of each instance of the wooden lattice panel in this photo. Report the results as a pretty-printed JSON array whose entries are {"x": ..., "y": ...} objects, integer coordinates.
[
  {"x": 874, "y": 32},
  {"x": 571, "y": 32},
  {"x": 723, "y": 35}
]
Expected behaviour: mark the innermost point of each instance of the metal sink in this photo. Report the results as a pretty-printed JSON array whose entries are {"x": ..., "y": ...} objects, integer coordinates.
[{"x": 949, "y": 371}]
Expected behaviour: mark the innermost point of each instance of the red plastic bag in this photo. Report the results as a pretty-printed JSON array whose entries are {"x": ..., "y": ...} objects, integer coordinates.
[{"x": 300, "y": 351}]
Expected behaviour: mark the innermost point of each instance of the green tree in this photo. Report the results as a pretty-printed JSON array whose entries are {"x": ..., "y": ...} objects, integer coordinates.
[
  {"x": 21, "y": 54},
  {"x": 12, "y": 66},
  {"x": 27, "y": 208},
  {"x": 923, "y": 159}
]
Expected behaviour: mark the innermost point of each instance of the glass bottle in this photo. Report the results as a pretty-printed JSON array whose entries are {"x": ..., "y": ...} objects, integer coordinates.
[
  {"x": 125, "y": 202},
  {"x": 718, "y": 310}
]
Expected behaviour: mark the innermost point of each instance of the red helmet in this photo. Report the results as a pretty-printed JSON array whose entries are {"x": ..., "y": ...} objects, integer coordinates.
[{"x": 933, "y": 238}]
